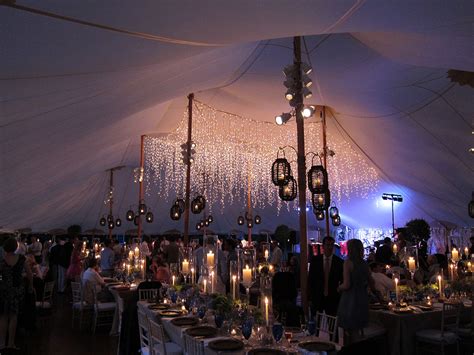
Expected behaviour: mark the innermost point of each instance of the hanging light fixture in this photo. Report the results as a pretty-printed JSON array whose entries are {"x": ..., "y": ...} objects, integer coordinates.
[
  {"x": 319, "y": 214},
  {"x": 110, "y": 218},
  {"x": 111, "y": 225},
  {"x": 317, "y": 179},
  {"x": 202, "y": 202},
  {"x": 180, "y": 203},
  {"x": 142, "y": 208},
  {"x": 103, "y": 221},
  {"x": 288, "y": 192},
  {"x": 333, "y": 212},
  {"x": 249, "y": 224},
  {"x": 201, "y": 223},
  {"x": 258, "y": 219},
  {"x": 240, "y": 220},
  {"x": 175, "y": 212},
  {"x": 195, "y": 206},
  {"x": 321, "y": 201},
  {"x": 283, "y": 118},
  {"x": 118, "y": 222},
  {"x": 281, "y": 171},
  {"x": 149, "y": 217},
  {"x": 206, "y": 223},
  {"x": 198, "y": 226},
  {"x": 210, "y": 219},
  {"x": 336, "y": 221},
  {"x": 130, "y": 215}
]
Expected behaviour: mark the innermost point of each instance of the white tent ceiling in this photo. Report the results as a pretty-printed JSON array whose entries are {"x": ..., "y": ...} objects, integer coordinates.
[{"x": 75, "y": 99}]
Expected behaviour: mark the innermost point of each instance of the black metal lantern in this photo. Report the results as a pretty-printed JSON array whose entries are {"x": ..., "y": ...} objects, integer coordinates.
[
  {"x": 142, "y": 208},
  {"x": 149, "y": 217},
  {"x": 180, "y": 203},
  {"x": 202, "y": 202},
  {"x": 175, "y": 212},
  {"x": 130, "y": 215},
  {"x": 281, "y": 172},
  {"x": 111, "y": 225},
  {"x": 198, "y": 226},
  {"x": 333, "y": 212},
  {"x": 336, "y": 221},
  {"x": 471, "y": 207},
  {"x": 110, "y": 218},
  {"x": 206, "y": 223},
  {"x": 201, "y": 223},
  {"x": 288, "y": 192},
  {"x": 210, "y": 219},
  {"x": 317, "y": 179},
  {"x": 240, "y": 220},
  {"x": 321, "y": 201},
  {"x": 195, "y": 206},
  {"x": 118, "y": 222},
  {"x": 103, "y": 221},
  {"x": 258, "y": 219},
  {"x": 136, "y": 220},
  {"x": 319, "y": 214},
  {"x": 249, "y": 224}
]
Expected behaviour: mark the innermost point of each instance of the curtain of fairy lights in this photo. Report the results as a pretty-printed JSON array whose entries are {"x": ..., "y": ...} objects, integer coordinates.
[{"x": 231, "y": 148}]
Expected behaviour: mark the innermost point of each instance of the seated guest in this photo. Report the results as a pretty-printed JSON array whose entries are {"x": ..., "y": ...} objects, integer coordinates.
[
  {"x": 384, "y": 252},
  {"x": 160, "y": 270},
  {"x": 107, "y": 260},
  {"x": 434, "y": 268},
  {"x": 91, "y": 280},
  {"x": 382, "y": 282}
]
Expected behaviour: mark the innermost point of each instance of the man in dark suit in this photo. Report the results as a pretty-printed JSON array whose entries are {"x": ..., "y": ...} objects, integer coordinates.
[{"x": 325, "y": 275}]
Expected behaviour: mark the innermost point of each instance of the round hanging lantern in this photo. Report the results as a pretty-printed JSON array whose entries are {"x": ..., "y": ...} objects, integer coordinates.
[
  {"x": 281, "y": 172},
  {"x": 149, "y": 217},
  {"x": 175, "y": 212},
  {"x": 336, "y": 221},
  {"x": 317, "y": 179},
  {"x": 288, "y": 192},
  {"x": 240, "y": 220},
  {"x": 195, "y": 206},
  {"x": 130, "y": 215},
  {"x": 111, "y": 225},
  {"x": 319, "y": 215},
  {"x": 110, "y": 218},
  {"x": 258, "y": 219},
  {"x": 210, "y": 219},
  {"x": 118, "y": 222},
  {"x": 136, "y": 220},
  {"x": 142, "y": 208},
  {"x": 321, "y": 201},
  {"x": 202, "y": 202},
  {"x": 206, "y": 223},
  {"x": 103, "y": 221},
  {"x": 333, "y": 212},
  {"x": 180, "y": 203},
  {"x": 471, "y": 207},
  {"x": 249, "y": 224},
  {"x": 201, "y": 223},
  {"x": 198, "y": 226}
]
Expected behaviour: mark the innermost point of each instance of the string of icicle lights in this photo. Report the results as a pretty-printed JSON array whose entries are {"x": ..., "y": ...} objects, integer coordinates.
[{"x": 230, "y": 147}]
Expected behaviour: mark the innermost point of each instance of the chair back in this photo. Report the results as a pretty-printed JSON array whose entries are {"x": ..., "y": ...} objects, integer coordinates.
[
  {"x": 450, "y": 317},
  {"x": 326, "y": 326},
  {"x": 144, "y": 331},
  {"x": 147, "y": 294},
  {"x": 192, "y": 345},
  {"x": 157, "y": 336},
  {"x": 76, "y": 292},
  {"x": 48, "y": 292}
]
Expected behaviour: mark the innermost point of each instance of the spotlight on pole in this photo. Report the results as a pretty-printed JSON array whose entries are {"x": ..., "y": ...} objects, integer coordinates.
[{"x": 393, "y": 198}]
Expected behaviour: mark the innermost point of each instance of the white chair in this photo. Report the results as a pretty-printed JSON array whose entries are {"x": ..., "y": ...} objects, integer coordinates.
[
  {"x": 326, "y": 326},
  {"x": 46, "y": 302},
  {"x": 159, "y": 344},
  {"x": 144, "y": 333},
  {"x": 192, "y": 346},
  {"x": 147, "y": 294},
  {"x": 103, "y": 312},
  {"x": 76, "y": 300},
  {"x": 436, "y": 340}
]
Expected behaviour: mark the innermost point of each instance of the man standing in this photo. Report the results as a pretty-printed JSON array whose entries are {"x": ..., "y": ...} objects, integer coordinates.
[
  {"x": 277, "y": 255},
  {"x": 325, "y": 275},
  {"x": 107, "y": 260}
]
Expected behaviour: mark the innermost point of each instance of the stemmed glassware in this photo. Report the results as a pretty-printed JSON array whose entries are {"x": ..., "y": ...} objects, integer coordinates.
[
  {"x": 247, "y": 329},
  {"x": 277, "y": 331},
  {"x": 247, "y": 268}
]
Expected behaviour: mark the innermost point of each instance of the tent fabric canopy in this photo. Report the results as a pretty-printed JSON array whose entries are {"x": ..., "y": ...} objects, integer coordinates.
[{"x": 75, "y": 99}]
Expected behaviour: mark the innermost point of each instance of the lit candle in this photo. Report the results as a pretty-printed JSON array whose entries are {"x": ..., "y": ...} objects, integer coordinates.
[
  {"x": 233, "y": 332},
  {"x": 183, "y": 309},
  {"x": 396, "y": 289},
  {"x": 469, "y": 266},
  {"x": 130, "y": 255},
  {"x": 96, "y": 247},
  {"x": 466, "y": 251},
  {"x": 266, "y": 254},
  {"x": 247, "y": 276},
  {"x": 270, "y": 267},
  {"x": 185, "y": 266},
  {"x": 440, "y": 286},
  {"x": 137, "y": 252},
  {"x": 173, "y": 278},
  {"x": 212, "y": 281},
  {"x": 281, "y": 176},
  {"x": 411, "y": 264},
  {"x": 210, "y": 258},
  {"x": 320, "y": 199},
  {"x": 234, "y": 279},
  {"x": 451, "y": 272},
  {"x": 317, "y": 182},
  {"x": 455, "y": 255},
  {"x": 192, "y": 276},
  {"x": 395, "y": 249},
  {"x": 128, "y": 269},
  {"x": 205, "y": 286},
  {"x": 266, "y": 310}
]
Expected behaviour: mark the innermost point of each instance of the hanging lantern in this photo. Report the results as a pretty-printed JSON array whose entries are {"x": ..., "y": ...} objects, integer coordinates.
[
  {"x": 201, "y": 223},
  {"x": 206, "y": 223},
  {"x": 471, "y": 207},
  {"x": 249, "y": 224},
  {"x": 149, "y": 217},
  {"x": 180, "y": 203},
  {"x": 321, "y": 201},
  {"x": 333, "y": 212},
  {"x": 202, "y": 202},
  {"x": 195, "y": 206},
  {"x": 130, "y": 215},
  {"x": 319, "y": 214},
  {"x": 281, "y": 172},
  {"x": 258, "y": 219},
  {"x": 288, "y": 192},
  {"x": 317, "y": 179},
  {"x": 111, "y": 225},
  {"x": 240, "y": 220},
  {"x": 142, "y": 208},
  {"x": 175, "y": 212},
  {"x": 136, "y": 220},
  {"x": 103, "y": 221},
  {"x": 118, "y": 222},
  {"x": 210, "y": 219},
  {"x": 110, "y": 218},
  {"x": 198, "y": 226},
  {"x": 336, "y": 221}
]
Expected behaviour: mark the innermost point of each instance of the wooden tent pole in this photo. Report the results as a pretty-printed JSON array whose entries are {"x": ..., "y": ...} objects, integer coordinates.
[
  {"x": 301, "y": 174},
  {"x": 325, "y": 160},
  {"x": 249, "y": 208},
  {"x": 188, "y": 170},
  {"x": 140, "y": 183},
  {"x": 111, "y": 201}
]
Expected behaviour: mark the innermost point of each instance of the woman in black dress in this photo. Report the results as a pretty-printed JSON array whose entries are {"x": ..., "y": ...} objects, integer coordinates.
[{"x": 12, "y": 290}]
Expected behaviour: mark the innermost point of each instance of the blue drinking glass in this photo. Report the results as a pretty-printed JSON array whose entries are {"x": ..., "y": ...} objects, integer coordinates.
[
  {"x": 202, "y": 312},
  {"x": 247, "y": 329},
  {"x": 174, "y": 297},
  {"x": 311, "y": 327},
  {"x": 277, "y": 330}
]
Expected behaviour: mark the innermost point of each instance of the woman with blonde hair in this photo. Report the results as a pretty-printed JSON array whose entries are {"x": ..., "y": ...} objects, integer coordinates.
[{"x": 353, "y": 311}]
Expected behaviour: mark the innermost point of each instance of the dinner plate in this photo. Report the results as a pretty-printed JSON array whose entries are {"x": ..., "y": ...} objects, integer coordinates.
[
  {"x": 425, "y": 307},
  {"x": 226, "y": 344},
  {"x": 184, "y": 321},
  {"x": 121, "y": 288},
  {"x": 265, "y": 351},
  {"x": 403, "y": 310},
  {"x": 203, "y": 331},
  {"x": 170, "y": 313},
  {"x": 159, "y": 307},
  {"x": 315, "y": 346}
]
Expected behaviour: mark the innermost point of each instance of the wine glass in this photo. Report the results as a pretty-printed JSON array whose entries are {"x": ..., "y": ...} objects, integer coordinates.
[
  {"x": 303, "y": 325},
  {"x": 277, "y": 330},
  {"x": 247, "y": 329},
  {"x": 202, "y": 312},
  {"x": 311, "y": 327}
]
